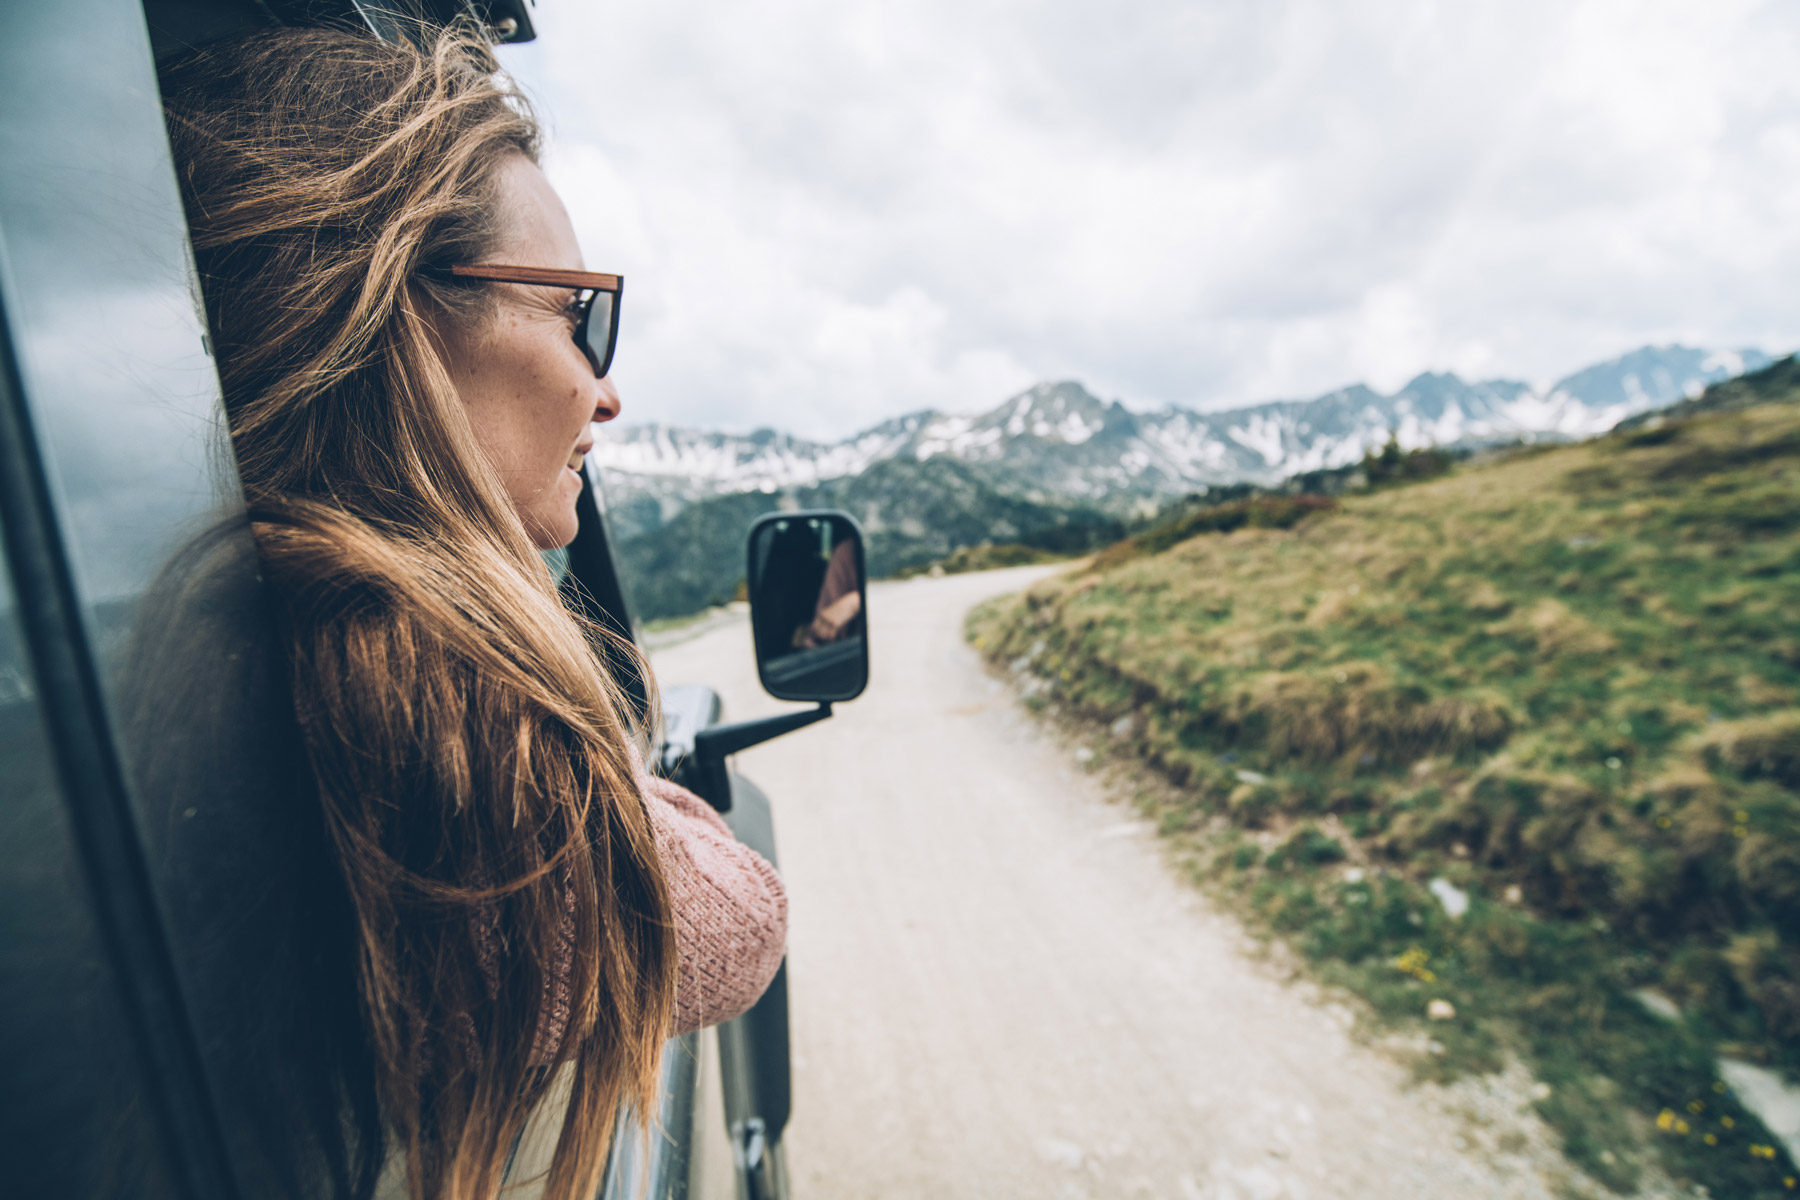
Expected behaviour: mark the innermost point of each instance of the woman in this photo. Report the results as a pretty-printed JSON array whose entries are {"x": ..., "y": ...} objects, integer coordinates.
[{"x": 411, "y": 359}]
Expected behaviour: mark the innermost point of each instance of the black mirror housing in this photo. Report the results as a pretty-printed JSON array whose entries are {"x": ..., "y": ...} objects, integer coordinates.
[{"x": 809, "y": 605}]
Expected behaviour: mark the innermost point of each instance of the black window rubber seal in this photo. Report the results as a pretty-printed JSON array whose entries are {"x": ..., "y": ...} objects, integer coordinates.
[{"x": 96, "y": 799}]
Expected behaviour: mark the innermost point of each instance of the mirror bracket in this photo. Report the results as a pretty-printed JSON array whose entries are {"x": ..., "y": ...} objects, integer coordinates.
[{"x": 712, "y": 746}]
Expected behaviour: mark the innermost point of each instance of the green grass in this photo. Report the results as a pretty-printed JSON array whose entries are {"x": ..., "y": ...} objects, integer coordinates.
[{"x": 1567, "y": 682}]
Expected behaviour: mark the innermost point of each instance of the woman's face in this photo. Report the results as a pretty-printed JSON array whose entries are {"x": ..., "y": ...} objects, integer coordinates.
[{"x": 530, "y": 392}]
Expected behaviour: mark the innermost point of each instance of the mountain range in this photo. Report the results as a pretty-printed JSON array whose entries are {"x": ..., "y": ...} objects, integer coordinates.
[{"x": 1056, "y": 464}]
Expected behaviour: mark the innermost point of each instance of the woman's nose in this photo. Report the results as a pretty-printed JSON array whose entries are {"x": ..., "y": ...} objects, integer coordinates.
[{"x": 607, "y": 406}]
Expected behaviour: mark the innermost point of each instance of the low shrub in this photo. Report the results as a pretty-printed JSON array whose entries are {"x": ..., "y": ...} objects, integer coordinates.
[{"x": 1308, "y": 847}]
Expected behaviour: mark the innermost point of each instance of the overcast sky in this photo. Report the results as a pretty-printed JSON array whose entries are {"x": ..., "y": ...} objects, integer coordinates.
[{"x": 830, "y": 212}]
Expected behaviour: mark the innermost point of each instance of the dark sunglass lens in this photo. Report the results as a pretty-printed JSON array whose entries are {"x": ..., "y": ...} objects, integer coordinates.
[{"x": 599, "y": 330}]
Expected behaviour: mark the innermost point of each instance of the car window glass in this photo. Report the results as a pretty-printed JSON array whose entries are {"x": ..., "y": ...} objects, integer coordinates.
[
  {"x": 107, "y": 331},
  {"x": 74, "y": 1116}
]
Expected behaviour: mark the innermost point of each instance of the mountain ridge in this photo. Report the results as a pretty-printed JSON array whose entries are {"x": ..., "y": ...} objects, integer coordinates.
[
  {"x": 1058, "y": 469},
  {"x": 1058, "y": 443}
]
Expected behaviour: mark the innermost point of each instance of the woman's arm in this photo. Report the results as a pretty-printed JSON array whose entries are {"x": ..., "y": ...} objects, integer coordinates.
[{"x": 730, "y": 908}]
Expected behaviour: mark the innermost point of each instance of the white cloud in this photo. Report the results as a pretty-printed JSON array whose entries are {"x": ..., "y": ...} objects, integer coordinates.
[{"x": 833, "y": 212}]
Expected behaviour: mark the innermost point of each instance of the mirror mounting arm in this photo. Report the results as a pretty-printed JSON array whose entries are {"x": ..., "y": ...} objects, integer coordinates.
[{"x": 713, "y": 746}]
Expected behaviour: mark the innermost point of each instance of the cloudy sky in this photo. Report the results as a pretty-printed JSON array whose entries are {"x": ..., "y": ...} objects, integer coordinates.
[{"x": 834, "y": 211}]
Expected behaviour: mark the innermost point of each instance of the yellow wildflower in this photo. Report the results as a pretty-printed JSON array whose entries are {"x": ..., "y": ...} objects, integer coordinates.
[
  {"x": 1665, "y": 1120},
  {"x": 1694, "y": 1106},
  {"x": 1711, "y": 1139},
  {"x": 1682, "y": 1126},
  {"x": 1728, "y": 1123},
  {"x": 1413, "y": 963}
]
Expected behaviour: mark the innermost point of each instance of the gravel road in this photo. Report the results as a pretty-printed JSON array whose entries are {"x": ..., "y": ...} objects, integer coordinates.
[{"x": 1000, "y": 990}]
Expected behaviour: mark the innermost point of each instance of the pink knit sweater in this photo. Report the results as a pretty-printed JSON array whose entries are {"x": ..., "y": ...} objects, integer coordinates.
[
  {"x": 730, "y": 908},
  {"x": 730, "y": 919},
  {"x": 730, "y": 935}
]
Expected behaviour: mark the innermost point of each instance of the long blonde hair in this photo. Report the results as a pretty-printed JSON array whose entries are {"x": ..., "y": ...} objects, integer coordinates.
[{"x": 470, "y": 751}]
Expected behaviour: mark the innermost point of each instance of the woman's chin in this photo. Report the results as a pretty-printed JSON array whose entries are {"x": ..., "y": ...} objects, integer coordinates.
[
  {"x": 551, "y": 531},
  {"x": 554, "y": 525}
]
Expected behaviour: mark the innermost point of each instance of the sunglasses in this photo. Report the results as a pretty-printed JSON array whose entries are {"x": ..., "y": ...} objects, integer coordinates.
[{"x": 596, "y": 303}]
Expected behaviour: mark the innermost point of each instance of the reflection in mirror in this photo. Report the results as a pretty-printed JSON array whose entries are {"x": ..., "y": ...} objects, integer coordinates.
[{"x": 809, "y": 606}]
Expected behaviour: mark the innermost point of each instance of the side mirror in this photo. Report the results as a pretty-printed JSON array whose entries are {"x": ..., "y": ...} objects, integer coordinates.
[{"x": 809, "y": 606}]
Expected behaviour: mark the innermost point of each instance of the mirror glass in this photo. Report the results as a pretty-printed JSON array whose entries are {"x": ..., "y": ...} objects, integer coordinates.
[{"x": 809, "y": 605}]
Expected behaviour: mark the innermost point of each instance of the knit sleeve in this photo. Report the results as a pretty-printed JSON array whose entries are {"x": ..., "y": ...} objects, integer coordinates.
[{"x": 730, "y": 908}]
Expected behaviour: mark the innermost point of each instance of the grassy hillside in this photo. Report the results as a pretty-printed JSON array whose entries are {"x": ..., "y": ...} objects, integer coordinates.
[{"x": 1566, "y": 684}]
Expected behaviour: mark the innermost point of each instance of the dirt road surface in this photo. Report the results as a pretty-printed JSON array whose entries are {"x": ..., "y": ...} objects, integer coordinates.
[{"x": 999, "y": 988}]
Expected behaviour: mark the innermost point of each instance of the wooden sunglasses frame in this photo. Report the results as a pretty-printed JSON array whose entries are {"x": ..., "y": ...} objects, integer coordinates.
[{"x": 591, "y": 282}]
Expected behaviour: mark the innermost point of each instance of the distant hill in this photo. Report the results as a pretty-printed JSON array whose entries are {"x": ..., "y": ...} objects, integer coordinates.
[
  {"x": 1056, "y": 464},
  {"x": 912, "y": 512},
  {"x": 1057, "y": 443}
]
